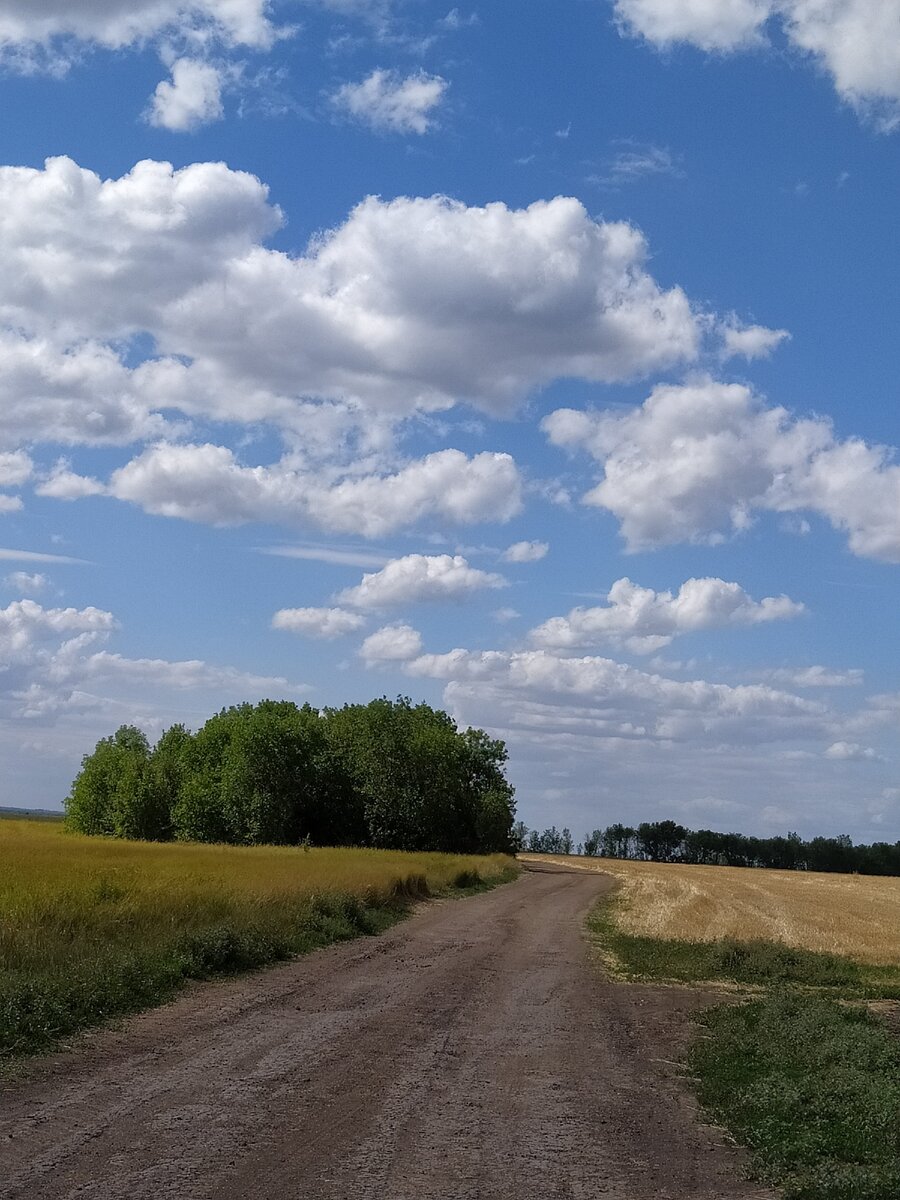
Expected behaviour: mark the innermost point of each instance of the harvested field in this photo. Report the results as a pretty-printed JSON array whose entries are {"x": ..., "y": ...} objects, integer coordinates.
[{"x": 857, "y": 916}]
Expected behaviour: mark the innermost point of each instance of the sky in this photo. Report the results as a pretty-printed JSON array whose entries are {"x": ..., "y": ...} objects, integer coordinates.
[{"x": 535, "y": 360}]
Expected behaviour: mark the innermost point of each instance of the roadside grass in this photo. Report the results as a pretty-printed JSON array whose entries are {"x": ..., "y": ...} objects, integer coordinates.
[
  {"x": 92, "y": 928},
  {"x": 812, "y": 1087},
  {"x": 795, "y": 1066}
]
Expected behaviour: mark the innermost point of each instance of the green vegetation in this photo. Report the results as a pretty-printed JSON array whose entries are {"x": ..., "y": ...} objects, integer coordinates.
[
  {"x": 388, "y": 774},
  {"x": 812, "y": 1087},
  {"x": 95, "y": 927},
  {"x": 799, "y": 1071}
]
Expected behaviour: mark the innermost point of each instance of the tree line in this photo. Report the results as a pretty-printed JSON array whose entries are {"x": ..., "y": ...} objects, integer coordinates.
[
  {"x": 667, "y": 841},
  {"x": 388, "y": 774}
]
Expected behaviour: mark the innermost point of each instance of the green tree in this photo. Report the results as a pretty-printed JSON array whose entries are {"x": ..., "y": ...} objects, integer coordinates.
[{"x": 108, "y": 794}]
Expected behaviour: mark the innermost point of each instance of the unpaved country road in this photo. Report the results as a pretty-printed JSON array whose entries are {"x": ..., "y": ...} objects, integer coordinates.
[{"x": 471, "y": 1053}]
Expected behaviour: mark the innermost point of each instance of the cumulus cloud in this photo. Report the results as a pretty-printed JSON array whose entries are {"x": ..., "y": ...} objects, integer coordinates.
[
  {"x": 54, "y": 672},
  {"x": 644, "y": 620},
  {"x": 326, "y": 623},
  {"x": 611, "y": 699},
  {"x": 695, "y": 462},
  {"x": 392, "y": 103},
  {"x": 855, "y": 41},
  {"x": 116, "y": 24},
  {"x": 391, "y": 643},
  {"x": 191, "y": 98},
  {"x": 850, "y": 752},
  {"x": 410, "y": 304},
  {"x": 420, "y": 577},
  {"x": 750, "y": 341},
  {"x": 208, "y": 484},
  {"x": 15, "y": 469},
  {"x": 64, "y": 484},
  {"x": 25, "y": 625},
  {"x": 26, "y": 583},
  {"x": 523, "y": 552}
]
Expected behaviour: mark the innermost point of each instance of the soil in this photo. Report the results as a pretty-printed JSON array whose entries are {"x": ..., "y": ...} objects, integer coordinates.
[{"x": 474, "y": 1052}]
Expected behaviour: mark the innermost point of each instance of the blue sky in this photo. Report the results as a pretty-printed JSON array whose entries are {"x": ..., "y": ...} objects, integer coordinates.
[{"x": 535, "y": 360}]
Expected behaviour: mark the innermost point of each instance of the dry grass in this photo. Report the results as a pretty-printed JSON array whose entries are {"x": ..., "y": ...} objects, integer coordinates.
[{"x": 856, "y": 916}]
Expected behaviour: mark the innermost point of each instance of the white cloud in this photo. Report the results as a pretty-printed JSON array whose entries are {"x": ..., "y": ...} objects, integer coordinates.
[
  {"x": 636, "y": 161},
  {"x": 117, "y": 24},
  {"x": 193, "y": 96},
  {"x": 324, "y": 623},
  {"x": 392, "y": 643},
  {"x": 392, "y": 103},
  {"x": 607, "y": 699},
  {"x": 339, "y": 555},
  {"x": 523, "y": 552},
  {"x": 644, "y": 620},
  {"x": 696, "y": 461},
  {"x": 64, "y": 484},
  {"x": 420, "y": 577},
  {"x": 208, "y": 484},
  {"x": 855, "y": 41},
  {"x": 750, "y": 341},
  {"x": 10, "y": 504},
  {"x": 409, "y": 305},
  {"x": 53, "y": 673},
  {"x": 15, "y": 469},
  {"x": 850, "y": 752},
  {"x": 814, "y": 677},
  {"x": 505, "y": 614},
  {"x": 8, "y": 554},
  {"x": 25, "y": 583},
  {"x": 25, "y": 622}
]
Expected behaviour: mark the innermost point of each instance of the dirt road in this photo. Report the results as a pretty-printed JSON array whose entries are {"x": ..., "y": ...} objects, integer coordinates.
[{"x": 471, "y": 1053}]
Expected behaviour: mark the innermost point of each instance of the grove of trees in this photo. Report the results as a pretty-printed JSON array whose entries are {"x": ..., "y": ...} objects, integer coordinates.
[
  {"x": 388, "y": 774},
  {"x": 667, "y": 841}
]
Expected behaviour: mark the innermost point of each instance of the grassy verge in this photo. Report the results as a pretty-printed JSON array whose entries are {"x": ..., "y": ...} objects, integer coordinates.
[
  {"x": 800, "y": 1071},
  {"x": 91, "y": 929}
]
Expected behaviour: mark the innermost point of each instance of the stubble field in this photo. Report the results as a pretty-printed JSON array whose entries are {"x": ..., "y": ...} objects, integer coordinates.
[{"x": 853, "y": 916}]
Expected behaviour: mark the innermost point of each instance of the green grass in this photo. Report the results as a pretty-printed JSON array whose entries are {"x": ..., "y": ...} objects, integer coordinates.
[
  {"x": 93, "y": 928},
  {"x": 812, "y": 1087},
  {"x": 798, "y": 1070}
]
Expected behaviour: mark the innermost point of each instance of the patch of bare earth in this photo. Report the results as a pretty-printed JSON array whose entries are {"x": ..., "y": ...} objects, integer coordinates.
[{"x": 472, "y": 1053}]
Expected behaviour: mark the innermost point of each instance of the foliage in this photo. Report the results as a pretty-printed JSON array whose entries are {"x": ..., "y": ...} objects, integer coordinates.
[
  {"x": 91, "y": 927},
  {"x": 551, "y": 841},
  {"x": 388, "y": 774}
]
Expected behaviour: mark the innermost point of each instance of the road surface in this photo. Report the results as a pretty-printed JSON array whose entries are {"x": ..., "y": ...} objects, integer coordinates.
[{"x": 470, "y": 1053}]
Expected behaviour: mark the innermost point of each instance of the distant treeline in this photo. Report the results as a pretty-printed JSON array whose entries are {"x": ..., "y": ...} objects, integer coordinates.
[
  {"x": 667, "y": 841},
  {"x": 390, "y": 774}
]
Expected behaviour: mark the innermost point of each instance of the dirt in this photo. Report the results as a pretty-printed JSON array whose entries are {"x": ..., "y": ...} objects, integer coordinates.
[{"x": 473, "y": 1052}]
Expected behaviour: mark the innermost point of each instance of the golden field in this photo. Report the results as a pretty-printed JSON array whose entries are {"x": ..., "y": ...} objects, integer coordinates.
[
  {"x": 856, "y": 916},
  {"x": 65, "y": 897}
]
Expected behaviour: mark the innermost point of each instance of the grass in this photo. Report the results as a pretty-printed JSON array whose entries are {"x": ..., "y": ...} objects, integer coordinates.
[
  {"x": 798, "y": 1069},
  {"x": 812, "y": 1087},
  {"x": 92, "y": 928}
]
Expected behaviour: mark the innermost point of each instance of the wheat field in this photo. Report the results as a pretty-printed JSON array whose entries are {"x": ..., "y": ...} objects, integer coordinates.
[{"x": 856, "y": 916}]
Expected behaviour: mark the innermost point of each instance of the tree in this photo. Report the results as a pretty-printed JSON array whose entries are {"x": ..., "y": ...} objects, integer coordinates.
[{"x": 107, "y": 795}]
